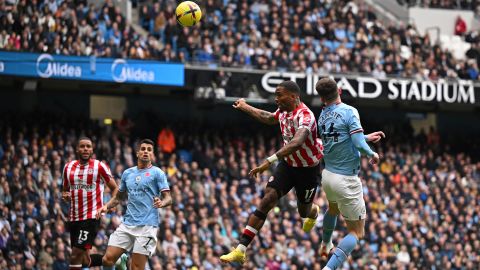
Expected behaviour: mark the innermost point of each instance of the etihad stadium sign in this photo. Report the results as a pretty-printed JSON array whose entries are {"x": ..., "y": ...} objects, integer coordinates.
[
  {"x": 260, "y": 84},
  {"x": 460, "y": 91}
]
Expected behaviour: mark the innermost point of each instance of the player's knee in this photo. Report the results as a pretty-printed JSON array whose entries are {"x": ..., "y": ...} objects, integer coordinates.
[
  {"x": 108, "y": 261},
  {"x": 358, "y": 232}
]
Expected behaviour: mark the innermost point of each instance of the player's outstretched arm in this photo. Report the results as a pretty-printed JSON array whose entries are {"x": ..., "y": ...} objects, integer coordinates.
[
  {"x": 297, "y": 141},
  {"x": 261, "y": 115},
  {"x": 112, "y": 185},
  {"x": 375, "y": 136},
  {"x": 165, "y": 201},
  {"x": 300, "y": 137},
  {"x": 359, "y": 142}
]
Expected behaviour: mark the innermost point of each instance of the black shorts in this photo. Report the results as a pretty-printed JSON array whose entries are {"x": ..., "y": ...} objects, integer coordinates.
[
  {"x": 303, "y": 179},
  {"x": 83, "y": 233}
]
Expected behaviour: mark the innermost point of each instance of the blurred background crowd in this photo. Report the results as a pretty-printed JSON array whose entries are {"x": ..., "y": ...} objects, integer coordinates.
[
  {"x": 422, "y": 199},
  {"x": 317, "y": 36}
]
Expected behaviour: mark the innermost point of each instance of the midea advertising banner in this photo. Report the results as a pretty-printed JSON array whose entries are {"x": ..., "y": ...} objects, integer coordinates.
[{"x": 49, "y": 66}]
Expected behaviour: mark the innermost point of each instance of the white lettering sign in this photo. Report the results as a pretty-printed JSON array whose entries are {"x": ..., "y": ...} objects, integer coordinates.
[
  {"x": 371, "y": 88},
  {"x": 122, "y": 72},
  {"x": 47, "y": 67}
]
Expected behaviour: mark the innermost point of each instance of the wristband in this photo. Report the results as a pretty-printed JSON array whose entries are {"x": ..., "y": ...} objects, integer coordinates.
[{"x": 272, "y": 158}]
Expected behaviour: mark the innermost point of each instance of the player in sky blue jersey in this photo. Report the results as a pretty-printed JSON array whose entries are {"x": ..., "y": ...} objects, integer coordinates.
[
  {"x": 143, "y": 184},
  {"x": 344, "y": 142}
]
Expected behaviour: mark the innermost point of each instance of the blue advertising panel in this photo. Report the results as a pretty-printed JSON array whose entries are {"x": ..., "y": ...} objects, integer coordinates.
[{"x": 91, "y": 68}]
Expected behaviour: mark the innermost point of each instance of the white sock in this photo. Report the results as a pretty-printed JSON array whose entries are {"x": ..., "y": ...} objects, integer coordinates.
[
  {"x": 242, "y": 248},
  {"x": 326, "y": 268}
]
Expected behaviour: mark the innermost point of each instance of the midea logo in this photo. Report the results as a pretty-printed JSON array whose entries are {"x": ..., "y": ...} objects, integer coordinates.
[
  {"x": 122, "y": 72},
  {"x": 47, "y": 67}
]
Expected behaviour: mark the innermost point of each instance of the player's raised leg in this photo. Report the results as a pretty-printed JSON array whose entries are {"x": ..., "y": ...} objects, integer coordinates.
[
  {"x": 329, "y": 223},
  {"x": 349, "y": 202},
  {"x": 306, "y": 185},
  {"x": 308, "y": 213},
  {"x": 255, "y": 223},
  {"x": 333, "y": 186}
]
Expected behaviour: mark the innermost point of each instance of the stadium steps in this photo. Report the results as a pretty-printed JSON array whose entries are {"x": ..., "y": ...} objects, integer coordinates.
[
  {"x": 387, "y": 14},
  {"x": 135, "y": 16},
  {"x": 398, "y": 12}
]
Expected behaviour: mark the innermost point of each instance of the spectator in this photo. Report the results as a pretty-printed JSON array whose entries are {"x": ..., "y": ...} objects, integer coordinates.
[
  {"x": 125, "y": 125},
  {"x": 433, "y": 138},
  {"x": 60, "y": 262},
  {"x": 166, "y": 140},
  {"x": 460, "y": 26}
]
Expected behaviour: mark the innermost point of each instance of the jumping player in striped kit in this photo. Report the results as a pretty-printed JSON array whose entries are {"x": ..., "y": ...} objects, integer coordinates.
[
  {"x": 298, "y": 163},
  {"x": 83, "y": 186}
]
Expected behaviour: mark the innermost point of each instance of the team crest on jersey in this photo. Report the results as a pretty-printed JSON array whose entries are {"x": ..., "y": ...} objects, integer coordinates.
[
  {"x": 90, "y": 171},
  {"x": 271, "y": 178}
]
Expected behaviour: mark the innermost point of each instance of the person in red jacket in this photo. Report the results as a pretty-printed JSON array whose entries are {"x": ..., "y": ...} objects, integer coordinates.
[
  {"x": 166, "y": 140},
  {"x": 460, "y": 26}
]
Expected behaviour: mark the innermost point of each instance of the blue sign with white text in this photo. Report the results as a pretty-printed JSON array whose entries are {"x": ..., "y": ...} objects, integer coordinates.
[{"x": 91, "y": 68}]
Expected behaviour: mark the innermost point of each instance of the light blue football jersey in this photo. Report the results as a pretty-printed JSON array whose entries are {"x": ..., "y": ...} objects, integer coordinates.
[
  {"x": 142, "y": 185},
  {"x": 336, "y": 124}
]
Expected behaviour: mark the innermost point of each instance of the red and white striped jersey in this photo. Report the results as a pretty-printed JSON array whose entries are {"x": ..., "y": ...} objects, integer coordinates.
[
  {"x": 311, "y": 151},
  {"x": 86, "y": 185}
]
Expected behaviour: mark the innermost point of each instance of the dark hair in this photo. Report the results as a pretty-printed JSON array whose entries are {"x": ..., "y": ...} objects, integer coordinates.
[
  {"x": 146, "y": 141},
  {"x": 83, "y": 138},
  {"x": 290, "y": 86},
  {"x": 327, "y": 89}
]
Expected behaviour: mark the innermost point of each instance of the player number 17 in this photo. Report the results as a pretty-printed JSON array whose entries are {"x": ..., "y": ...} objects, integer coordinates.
[{"x": 309, "y": 194}]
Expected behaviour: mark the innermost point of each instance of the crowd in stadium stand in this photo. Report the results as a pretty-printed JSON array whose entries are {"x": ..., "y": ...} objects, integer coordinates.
[
  {"x": 422, "y": 199},
  {"x": 70, "y": 27},
  {"x": 445, "y": 4},
  {"x": 317, "y": 36}
]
